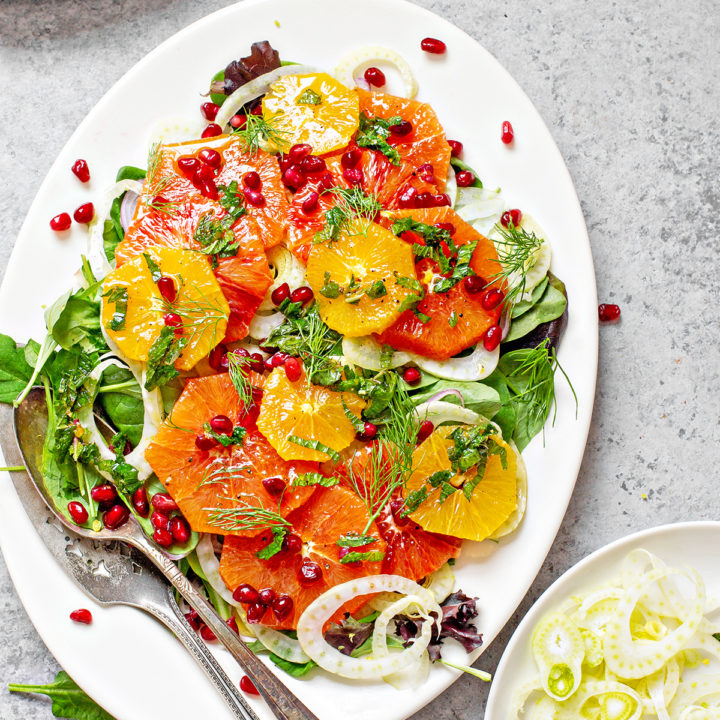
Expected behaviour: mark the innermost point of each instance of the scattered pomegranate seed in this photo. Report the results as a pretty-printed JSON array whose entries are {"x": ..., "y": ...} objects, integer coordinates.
[
  {"x": 354, "y": 176},
  {"x": 209, "y": 110},
  {"x": 207, "y": 634},
  {"x": 166, "y": 286},
  {"x": 257, "y": 110},
  {"x": 404, "y": 127},
  {"x": 408, "y": 197},
  {"x": 292, "y": 543},
  {"x": 325, "y": 182},
  {"x": 78, "y": 512},
  {"x": 217, "y": 359},
  {"x": 237, "y": 121},
  {"x": 293, "y": 177},
  {"x": 282, "y": 606},
  {"x": 140, "y": 502},
  {"x": 491, "y": 299},
  {"x": 511, "y": 216},
  {"x": 374, "y": 76},
  {"x": 369, "y": 431},
  {"x": 423, "y": 200},
  {"x": 104, "y": 493},
  {"x": 60, "y": 222},
  {"x": 205, "y": 442},
  {"x": 474, "y": 284},
  {"x": 211, "y": 130},
  {"x": 257, "y": 364},
  {"x": 426, "y": 172},
  {"x": 425, "y": 430},
  {"x": 159, "y": 520},
  {"x": 464, "y": 178},
  {"x": 441, "y": 200},
  {"x": 245, "y": 594},
  {"x": 232, "y": 624},
  {"x": 85, "y": 213},
  {"x": 81, "y": 170},
  {"x": 433, "y": 46},
  {"x": 266, "y": 596},
  {"x": 277, "y": 360},
  {"x": 115, "y": 517},
  {"x": 293, "y": 369},
  {"x": 312, "y": 164},
  {"x": 173, "y": 320},
  {"x": 205, "y": 173},
  {"x": 448, "y": 227},
  {"x": 274, "y": 485},
  {"x": 163, "y": 503},
  {"x": 210, "y": 157},
  {"x": 310, "y": 203},
  {"x": 193, "y": 620},
  {"x": 82, "y": 615},
  {"x": 255, "y": 613},
  {"x": 492, "y": 338},
  {"x": 456, "y": 147},
  {"x": 302, "y": 295},
  {"x": 247, "y": 686},
  {"x": 280, "y": 293},
  {"x": 507, "y": 132},
  {"x": 397, "y": 507},
  {"x": 222, "y": 424},
  {"x": 180, "y": 529},
  {"x": 608, "y": 313},
  {"x": 208, "y": 189},
  {"x": 163, "y": 537},
  {"x": 411, "y": 375},
  {"x": 310, "y": 572},
  {"x": 298, "y": 152},
  {"x": 188, "y": 166},
  {"x": 252, "y": 180},
  {"x": 254, "y": 198}
]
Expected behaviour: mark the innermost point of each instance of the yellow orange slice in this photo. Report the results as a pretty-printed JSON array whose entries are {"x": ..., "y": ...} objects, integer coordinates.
[{"x": 199, "y": 303}]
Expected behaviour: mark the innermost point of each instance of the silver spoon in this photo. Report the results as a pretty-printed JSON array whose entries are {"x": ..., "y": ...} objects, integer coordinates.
[{"x": 30, "y": 425}]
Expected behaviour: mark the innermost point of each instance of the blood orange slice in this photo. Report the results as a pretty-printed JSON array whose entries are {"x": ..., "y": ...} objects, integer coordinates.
[
  {"x": 328, "y": 515},
  {"x": 457, "y": 317},
  {"x": 217, "y": 488}
]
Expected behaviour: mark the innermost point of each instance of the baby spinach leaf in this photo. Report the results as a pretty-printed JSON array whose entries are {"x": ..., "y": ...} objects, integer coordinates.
[
  {"x": 478, "y": 396},
  {"x": 291, "y": 668},
  {"x": 15, "y": 370},
  {"x": 113, "y": 231},
  {"x": 551, "y": 305},
  {"x": 129, "y": 172},
  {"x": 459, "y": 165},
  {"x": 123, "y": 404},
  {"x": 523, "y": 306}
]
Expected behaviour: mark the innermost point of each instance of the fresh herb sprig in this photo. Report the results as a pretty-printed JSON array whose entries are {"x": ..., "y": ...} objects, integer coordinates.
[
  {"x": 215, "y": 235},
  {"x": 516, "y": 248},
  {"x": 258, "y": 132},
  {"x": 373, "y": 133},
  {"x": 352, "y": 214}
]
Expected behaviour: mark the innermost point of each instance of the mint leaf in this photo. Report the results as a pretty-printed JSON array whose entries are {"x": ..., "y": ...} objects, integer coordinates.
[
  {"x": 314, "y": 478},
  {"x": 274, "y": 546},
  {"x": 162, "y": 356}
]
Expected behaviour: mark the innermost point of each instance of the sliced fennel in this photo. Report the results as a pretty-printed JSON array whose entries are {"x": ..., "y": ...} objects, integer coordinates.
[
  {"x": 558, "y": 649},
  {"x": 480, "y": 207},
  {"x": 439, "y": 412},
  {"x": 354, "y": 64}
]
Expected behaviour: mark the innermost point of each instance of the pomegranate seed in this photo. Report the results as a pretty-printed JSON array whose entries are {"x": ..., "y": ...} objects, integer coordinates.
[
  {"x": 474, "y": 284},
  {"x": 492, "y": 338},
  {"x": 368, "y": 432},
  {"x": 309, "y": 573},
  {"x": 374, "y": 76},
  {"x": 140, "y": 502},
  {"x": 354, "y": 176},
  {"x": 293, "y": 369},
  {"x": 257, "y": 364},
  {"x": 282, "y": 606},
  {"x": 511, "y": 216},
  {"x": 464, "y": 178},
  {"x": 277, "y": 360},
  {"x": 205, "y": 173},
  {"x": 292, "y": 543},
  {"x": 266, "y": 596},
  {"x": 456, "y": 147},
  {"x": 293, "y": 177},
  {"x": 491, "y": 299},
  {"x": 172, "y": 320},
  {"x": 210, "y": 157},
  {"x": 208, "y": 189},
  {"x": 325, "y": 182},
  {"x": 345, "y": 551},
  {"x": 425, "y": 430},
  {"x": 507, "y": 132},
  {"x": 312, "y": 164},
  {"x": 209, "y": 110},
  {"x": 82, "y": 615},
  {"x": 412, "y": 375},
  {"x": 407, "y": 198},
  {"x": 222, "y": 424},
  {"x": 207, "y": 634},
  {"x": 404, "y": 127},
  {"x": 310, "y": 204},
  {"x": 608, "y": 313},
  {"x": 255, "y": 613},
  {"x": 81, "y": 170},
  {"x": 211, "y": 130},
  {"x": 254, "y": 198},
  {"x": 237, "y": 121},
  {"x": 163, "y": 503},
  {"x": 188, "y": 166},
  {"x": 163, "y": 537},
  {"x": 78, "y": 512},
  {"x": 232, "y": 624},
  {"x": 302, "y": 294},
  {"x": 159, "y": 520},
  {"x": 247, "y": 686},
  {"x": 85, "y": 213},
  {"x": 449, "y": 228},
  {"x": 423, "y": 200},
  {"x": 280, "y": 293},
  {"x": 298, "y": 152},
  {"x": 193, "y": 620},
  {"x": 166, "y": 286},
  {"x": 433, "y": 45},
  {"x": 60, "y": 222},
  {"x": 274, "y": 485},
  {"x": 426, "y": 172},
  {"x": 115, "y": 517},
  {"x": 350, "y": 158},
  {"x": 257, "y": 110},
  {"x": 252, "y": 180},
  {"x": 104, "y": 493},
  {"x": 217, "y": 359},
  {"x": 245, "y": 594},
  {"x": 180, "y": 530},
  {"x": 205, "y": 442},
  {"x": 441, "y": 200},
  {"x": 397, "y": 507}
]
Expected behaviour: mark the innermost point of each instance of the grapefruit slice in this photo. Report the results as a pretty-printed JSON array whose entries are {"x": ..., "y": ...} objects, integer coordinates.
[
  {"x": 437, "y": 338},
  {"x": 199, "y": 307},
  {"x": 309, "y": 412},
  {"x": 216, "y": 488},
  {"x": 315, "y": 109},
  {"x": 328, "y": 515}
]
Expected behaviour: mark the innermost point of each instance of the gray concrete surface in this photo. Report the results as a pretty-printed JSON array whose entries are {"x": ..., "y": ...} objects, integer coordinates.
[{"x": 631, "y": 95}]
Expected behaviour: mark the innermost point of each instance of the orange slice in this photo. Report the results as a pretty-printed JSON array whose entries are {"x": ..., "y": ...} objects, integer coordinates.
[
  {"x": 315, "y": 109},
  {"x": 200, "y": 304},
  {"x": 214, "y": 487},
  {"x": 368, "y": 254},
  {"x": 492, "y": 502},
  {"x": 320, "y": 522},
  {"x": 309, "y": 412}
]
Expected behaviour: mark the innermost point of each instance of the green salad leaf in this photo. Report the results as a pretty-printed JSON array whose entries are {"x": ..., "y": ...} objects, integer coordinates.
[{"x": 15, "y": 370}]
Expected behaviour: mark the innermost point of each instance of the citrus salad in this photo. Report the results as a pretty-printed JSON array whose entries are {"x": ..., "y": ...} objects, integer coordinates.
[{"x": 304, "y": 352}]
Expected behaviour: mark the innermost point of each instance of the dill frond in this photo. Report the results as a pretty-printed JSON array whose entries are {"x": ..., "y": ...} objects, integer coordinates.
[
  {"x": 258, "y": 132},
  {"x": 352, "y": 213},
  {"x": 515, "y": 249}
]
